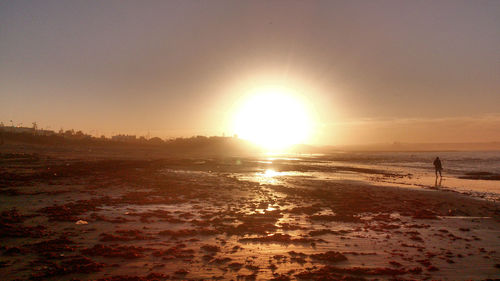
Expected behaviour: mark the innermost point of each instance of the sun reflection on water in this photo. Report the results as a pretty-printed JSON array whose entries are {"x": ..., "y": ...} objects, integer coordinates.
[
  {"x": 270, "y": 176},
  {"x": 270, "y": 208},
  {"x": 269, "y": 173},
  {"x": 267, "y": 177}
]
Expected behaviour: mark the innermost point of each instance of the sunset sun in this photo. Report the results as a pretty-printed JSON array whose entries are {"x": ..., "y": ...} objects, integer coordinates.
[{"x": 273, "y": 118}]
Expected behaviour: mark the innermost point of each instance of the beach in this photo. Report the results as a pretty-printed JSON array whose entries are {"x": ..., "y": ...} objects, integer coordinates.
[
  {"x": 294, "y": 217},
  {"x": 250, "y": 140}
]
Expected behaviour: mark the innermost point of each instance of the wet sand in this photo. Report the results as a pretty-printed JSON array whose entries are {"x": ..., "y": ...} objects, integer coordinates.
[{"x": 70, "y": 218}]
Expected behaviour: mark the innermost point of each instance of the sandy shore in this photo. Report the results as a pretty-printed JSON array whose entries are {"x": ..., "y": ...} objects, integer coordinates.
[{"x": 73, "y": 219}]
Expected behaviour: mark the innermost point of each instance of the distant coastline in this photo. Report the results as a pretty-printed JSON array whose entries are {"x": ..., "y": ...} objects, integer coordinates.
[{"x": 218, "y": 144}]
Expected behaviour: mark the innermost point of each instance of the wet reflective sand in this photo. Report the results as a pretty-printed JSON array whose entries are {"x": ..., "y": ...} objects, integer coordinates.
[{"x": 235, "y": 219}]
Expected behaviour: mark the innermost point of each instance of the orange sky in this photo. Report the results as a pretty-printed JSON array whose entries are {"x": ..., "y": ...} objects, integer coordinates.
[{"x": 371, "y": 71}]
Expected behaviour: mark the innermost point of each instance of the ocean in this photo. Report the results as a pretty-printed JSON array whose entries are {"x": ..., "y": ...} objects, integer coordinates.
[{"x": 473, "y": 173}]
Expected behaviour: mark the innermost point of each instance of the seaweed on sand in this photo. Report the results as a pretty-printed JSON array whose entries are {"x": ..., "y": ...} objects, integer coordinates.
[{"x": 280, "y": 238}]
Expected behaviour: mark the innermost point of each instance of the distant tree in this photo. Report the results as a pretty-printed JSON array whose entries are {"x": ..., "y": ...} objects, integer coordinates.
[
  {"x": 155, "y": 140},
  {"x": 35, "y": 127},
  {"x": 1, "y": 133}
]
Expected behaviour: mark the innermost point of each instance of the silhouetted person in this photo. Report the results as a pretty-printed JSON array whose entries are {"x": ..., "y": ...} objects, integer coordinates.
[
  {"x": 438, "y": 166},
  {"x": 436, "y": 183}
]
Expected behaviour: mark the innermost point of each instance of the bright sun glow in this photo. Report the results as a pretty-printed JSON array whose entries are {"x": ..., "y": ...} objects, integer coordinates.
[{"x": 273, "y": 118}]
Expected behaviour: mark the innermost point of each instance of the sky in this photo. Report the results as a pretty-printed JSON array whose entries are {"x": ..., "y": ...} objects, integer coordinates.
[{"x": 369, "y": 71}]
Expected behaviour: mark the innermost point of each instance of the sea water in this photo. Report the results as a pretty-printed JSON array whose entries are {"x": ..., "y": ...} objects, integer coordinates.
[{"x": 410, "y": 169}]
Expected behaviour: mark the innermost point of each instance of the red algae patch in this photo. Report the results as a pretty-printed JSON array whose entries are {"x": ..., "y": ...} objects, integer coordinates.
[
  {"x": 53, "y": 248},
  {"x": 127, "y": 252},
  {"x": 11, "y": 225},
  {"x": 70, "y": 211},
  {"x": 150, "y": 277},
  {"x": 210, "y": 248},
  {"x": 328, "y": 231},
  {"x": 13, "y": 216},
  {"x": 339, "y": 273},
  {"x": 20, "y": 231},
  {"x": 199, "y": 222},
  {"x": 330, "y": 257},
  {"x": 235, "y": 266},
  {"x": 65, "y": 267},
  {"x": 280, "y": 238},
  {"x": 125, "y": 235}
]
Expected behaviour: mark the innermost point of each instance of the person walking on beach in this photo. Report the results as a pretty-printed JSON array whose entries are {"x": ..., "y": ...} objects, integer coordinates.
[{"x": 438, "y": 166}]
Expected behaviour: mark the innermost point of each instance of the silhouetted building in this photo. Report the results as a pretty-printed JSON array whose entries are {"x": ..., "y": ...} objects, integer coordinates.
[
  {"x": 19, "y": 130},
  {"x": 124, "y": 138},
  {"x": 45, "y": 132}
]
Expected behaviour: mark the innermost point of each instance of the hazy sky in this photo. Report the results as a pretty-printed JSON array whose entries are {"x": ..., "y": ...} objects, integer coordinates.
[{"x": 373, "y": 71}]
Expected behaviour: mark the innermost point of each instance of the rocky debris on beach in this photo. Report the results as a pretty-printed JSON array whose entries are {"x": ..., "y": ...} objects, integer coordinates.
[{"x": 153, "y": 216}]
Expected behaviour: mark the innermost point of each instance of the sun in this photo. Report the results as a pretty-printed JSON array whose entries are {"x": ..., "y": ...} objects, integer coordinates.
[{"x": 274, "y": 118}]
